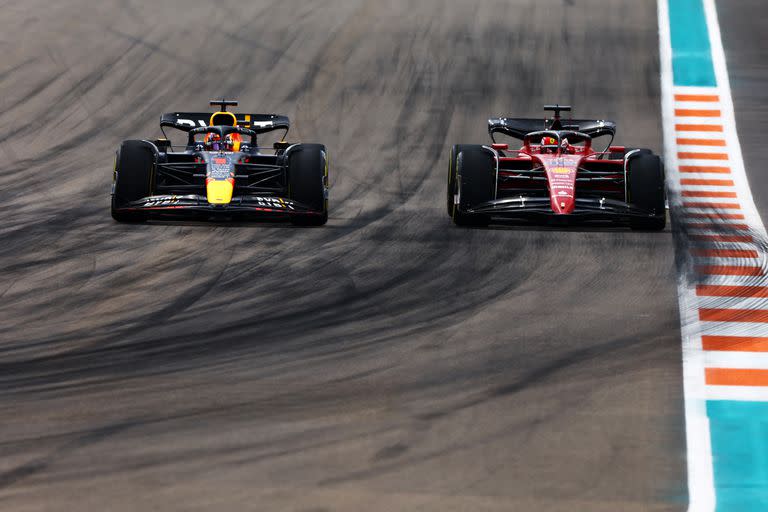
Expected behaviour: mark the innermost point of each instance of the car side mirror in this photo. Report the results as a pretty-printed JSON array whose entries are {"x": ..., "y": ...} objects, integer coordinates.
[
  {"x": 281, "y": 145},
  {"x": 500, "y": 147},
  {"x": 163, "y": 144}
]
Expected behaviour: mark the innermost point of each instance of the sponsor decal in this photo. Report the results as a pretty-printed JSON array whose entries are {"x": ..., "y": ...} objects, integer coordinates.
[
  {"x": 189, "y": 122},
  {"x": 246, "y": 122},
  {"x": 221, "y": 168},
  {"x": 161, "y": 201},
  {"x": 271, "y": 202},
  {"x": 561, "y": 184}
]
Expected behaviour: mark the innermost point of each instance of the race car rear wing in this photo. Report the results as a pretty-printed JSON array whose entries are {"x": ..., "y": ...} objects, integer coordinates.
[
  {"x": 520, "y": 127},
  {"x": 259, "y": 123}
]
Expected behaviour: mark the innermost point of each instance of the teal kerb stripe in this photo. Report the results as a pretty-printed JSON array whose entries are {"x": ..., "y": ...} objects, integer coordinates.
[
  {"x": 739, "y": 433},
  {"x": 691, "y": 53}
]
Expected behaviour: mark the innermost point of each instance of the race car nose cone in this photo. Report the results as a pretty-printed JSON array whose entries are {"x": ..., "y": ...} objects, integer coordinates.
[
  {"x": 219, "y": 191},
  {"x": 562, "y": 205}
]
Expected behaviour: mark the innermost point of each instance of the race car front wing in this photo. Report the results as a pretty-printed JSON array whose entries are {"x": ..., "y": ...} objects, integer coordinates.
[
  {"x": 586, "y": 208},
  {"x": 239, "y": 205}
]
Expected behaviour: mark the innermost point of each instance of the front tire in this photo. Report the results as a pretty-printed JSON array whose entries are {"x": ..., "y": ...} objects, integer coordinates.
[
  {"x": 308, "y": 182},
  {"x": 645, "y": 175},
  {"x": 133, "y": 178},
  {"x": 451, "y": 189},
  {"x": 474, "y": 180}
]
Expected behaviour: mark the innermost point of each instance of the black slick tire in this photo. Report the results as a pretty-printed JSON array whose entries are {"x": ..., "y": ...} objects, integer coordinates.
[
  {"x": 645, "y": 187},
  {"x": 133, "y": 178},
  {"x": 308, "y": 181},
  {"x": 451, "y": 188},
  {"x": 474, "y": 177}
]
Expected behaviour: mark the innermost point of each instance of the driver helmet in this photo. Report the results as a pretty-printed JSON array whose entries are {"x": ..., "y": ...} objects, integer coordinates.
[
  {"x": 232, "y": 142},
  {"x": 213, "y": 142},
  {"x": 549, "y": 143}
]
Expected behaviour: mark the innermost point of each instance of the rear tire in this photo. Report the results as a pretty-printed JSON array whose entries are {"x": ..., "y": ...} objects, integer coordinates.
[
  {"x": 308, "y": 182},
  {"x": 133, "y": 178},
  {"x": 474, "y": 175},
  {"x": 645, "y": 175},
  {"x": 621, "y": 156}
]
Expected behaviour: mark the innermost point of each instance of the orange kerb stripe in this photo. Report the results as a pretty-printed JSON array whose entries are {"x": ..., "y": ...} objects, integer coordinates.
[
  {"x": 716, "y": 225},
  {"x": 702, "y": 168},
  {"x": 734, "y": 315},
  {"x": 708, "y": 193},
  {"x": 725, "y": 253},
  {"x": 695, "y": 112},
  {"x": 704, "y": 290},
  {"x": 715, "y": 216},
  {"x": 697, "y": 97},
  {"x": 698, "y": 127},
  {"x": 734, "y": 343},
  {"x": 736, "y": 377},
  {"x": 703, "y": 156},
  {"x": 701, "y": 142},
  {"x": 729, "y": 270},
  {"x": 712, "y": 183},
  {"x": 722, "y": 206},
  {"x": 721, "y": 238}
]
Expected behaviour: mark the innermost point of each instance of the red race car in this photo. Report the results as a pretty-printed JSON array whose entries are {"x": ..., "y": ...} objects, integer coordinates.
[{"x": 556, "y": 176}]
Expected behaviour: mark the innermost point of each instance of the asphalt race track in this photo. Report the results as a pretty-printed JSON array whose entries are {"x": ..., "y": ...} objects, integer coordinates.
[{"x": 388, "y": 361}]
